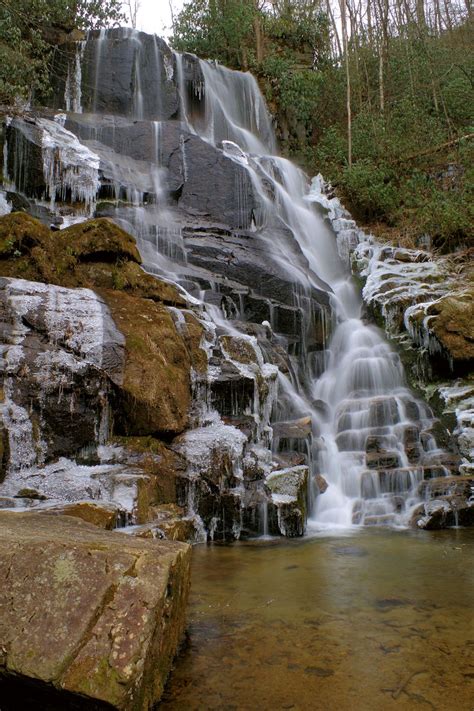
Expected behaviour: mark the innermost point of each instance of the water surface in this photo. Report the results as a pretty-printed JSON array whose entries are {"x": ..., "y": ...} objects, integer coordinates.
[{"x": 377, "y": 620}]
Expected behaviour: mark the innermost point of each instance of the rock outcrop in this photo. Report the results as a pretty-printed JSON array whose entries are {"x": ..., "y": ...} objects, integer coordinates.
[{"x": 90, "y": 618}]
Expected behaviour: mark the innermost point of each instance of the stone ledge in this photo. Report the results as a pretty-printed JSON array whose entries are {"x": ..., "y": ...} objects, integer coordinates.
[{"x": 94, "y": 614}]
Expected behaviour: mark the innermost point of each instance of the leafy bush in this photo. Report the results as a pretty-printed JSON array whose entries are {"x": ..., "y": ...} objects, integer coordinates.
[{"x": 370, "y": 190}]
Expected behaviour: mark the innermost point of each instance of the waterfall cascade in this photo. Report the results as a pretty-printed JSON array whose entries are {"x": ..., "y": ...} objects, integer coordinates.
[{"x": 300, "y": 392}]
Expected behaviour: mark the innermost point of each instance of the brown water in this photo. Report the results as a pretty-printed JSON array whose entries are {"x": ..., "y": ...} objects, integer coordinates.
[{"x": 378, "y": 620}]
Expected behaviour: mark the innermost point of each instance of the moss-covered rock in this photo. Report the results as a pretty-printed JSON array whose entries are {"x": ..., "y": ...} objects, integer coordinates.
[
  {"x": 156, "y": 391},
  {"x": 453, "y": 323},
  {"x": 100, "y": 240},
  {"x": 99, "y": 255},
  {"x": 93, "y": 254},
  {"x": 19, "y": 233},
  {"x": 101, "y": 614}
]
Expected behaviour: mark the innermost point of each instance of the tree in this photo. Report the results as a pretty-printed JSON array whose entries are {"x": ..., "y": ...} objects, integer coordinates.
[{"x": 29, "y": 29}]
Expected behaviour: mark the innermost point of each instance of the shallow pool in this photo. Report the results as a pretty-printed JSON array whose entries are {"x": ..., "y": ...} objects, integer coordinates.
[{"x": 374, "y": 620}]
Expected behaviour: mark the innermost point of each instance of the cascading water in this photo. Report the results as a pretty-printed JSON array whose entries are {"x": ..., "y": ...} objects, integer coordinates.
[{"x": 342, "y": 408}]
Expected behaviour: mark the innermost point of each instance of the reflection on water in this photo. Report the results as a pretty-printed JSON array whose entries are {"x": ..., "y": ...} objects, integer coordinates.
[{"x": 378, "y": 620}]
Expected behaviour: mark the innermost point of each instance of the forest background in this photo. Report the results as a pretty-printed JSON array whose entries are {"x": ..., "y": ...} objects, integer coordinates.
[{"x": 377, "y": 95}]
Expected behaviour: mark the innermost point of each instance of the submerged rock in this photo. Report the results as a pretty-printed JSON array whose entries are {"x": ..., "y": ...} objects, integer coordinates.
[{"x": 105, "y": 613}]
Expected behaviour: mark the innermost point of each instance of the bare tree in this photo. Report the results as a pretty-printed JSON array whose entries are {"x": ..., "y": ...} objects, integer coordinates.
[
  {"x": 348, "y": 81},
  {"x": 131, "y": 8}
]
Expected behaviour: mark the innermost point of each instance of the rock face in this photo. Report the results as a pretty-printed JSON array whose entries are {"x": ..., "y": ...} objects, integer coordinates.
[{"x": 100, "y": 614}]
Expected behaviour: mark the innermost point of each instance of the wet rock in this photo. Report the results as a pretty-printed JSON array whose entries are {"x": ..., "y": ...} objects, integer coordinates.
[
  {"x": 448, "y": 460},
  {"x": 106, "y": 622},
  {"x": 288, "y": 494},
  {"x": 24, "y": 165},
  {"x": 111, "y": 71},
  {"x": 321, "y": 483},
  {"x": 460, "y": 486},
  {"x": 206, "y": 180},
  {"x": 285, "y": 460},
  {"x": 383, "y": 459},
  {"x": 383, "y": 411},
  {"x": 296, "y": 429},
  {"x": 450, "y": 502}
]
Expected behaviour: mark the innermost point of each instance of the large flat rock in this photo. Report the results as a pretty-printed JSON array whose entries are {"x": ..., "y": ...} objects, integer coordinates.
[{"x": 90, "y": 618}]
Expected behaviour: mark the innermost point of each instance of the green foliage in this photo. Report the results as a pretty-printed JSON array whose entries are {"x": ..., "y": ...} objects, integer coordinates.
[
  {"x": 370, "y": 189},
  {"x": 218, "y": 29},
  {"x": 396, "y": 173},
  {"x": 29, "y": 29}
]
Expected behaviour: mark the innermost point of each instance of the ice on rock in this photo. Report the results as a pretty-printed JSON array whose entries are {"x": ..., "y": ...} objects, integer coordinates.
[
  {"x": 71, "y": 170},
  {"x": 199, "y": 445},
  {"x": 75, "y": 319}
]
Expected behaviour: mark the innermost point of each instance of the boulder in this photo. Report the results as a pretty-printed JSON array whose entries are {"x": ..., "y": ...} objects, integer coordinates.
[
  {"x": 62, "y": 352},
  {"x": 155, "y": 395},
  {"x": 452, "y": 324},
  {"x": 101, "y": 614},
  {"x": 288, "y": 509},
  {"x": 321, "y": 483}
]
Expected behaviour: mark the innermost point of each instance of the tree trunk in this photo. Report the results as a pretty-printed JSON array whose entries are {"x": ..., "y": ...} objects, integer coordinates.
[{"x": 348, "y": 82}]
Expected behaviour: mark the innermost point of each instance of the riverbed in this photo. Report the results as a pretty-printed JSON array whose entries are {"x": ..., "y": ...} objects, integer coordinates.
[{"x": 366, "y": 620}]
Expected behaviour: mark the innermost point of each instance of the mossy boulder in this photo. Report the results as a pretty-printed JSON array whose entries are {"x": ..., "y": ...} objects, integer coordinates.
[
  {"x": 156, "y": 390},
  {"x": 99, "y": 255},
  {"x": 20, "y": 232},
  {"x": 453, "y": 323},
  {"x": 100, "y": 240},
  {"x": 89, "y": 617},
  {"x": 96, "y": 254}
]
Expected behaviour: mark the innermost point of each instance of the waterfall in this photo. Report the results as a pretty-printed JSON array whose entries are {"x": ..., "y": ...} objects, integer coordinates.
[{"x": 187, "y": 160}]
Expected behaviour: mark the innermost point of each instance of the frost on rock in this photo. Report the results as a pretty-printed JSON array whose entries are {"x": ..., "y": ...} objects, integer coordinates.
[
  {"x": 76, "y": 320},
  {"x": 58, "y": 345},
  {"x": 458, "y": 399},
  {"x": 201, "y": 446},
  {"x": 71, "y": 170},
  {"x": 67, "y": 481}
]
